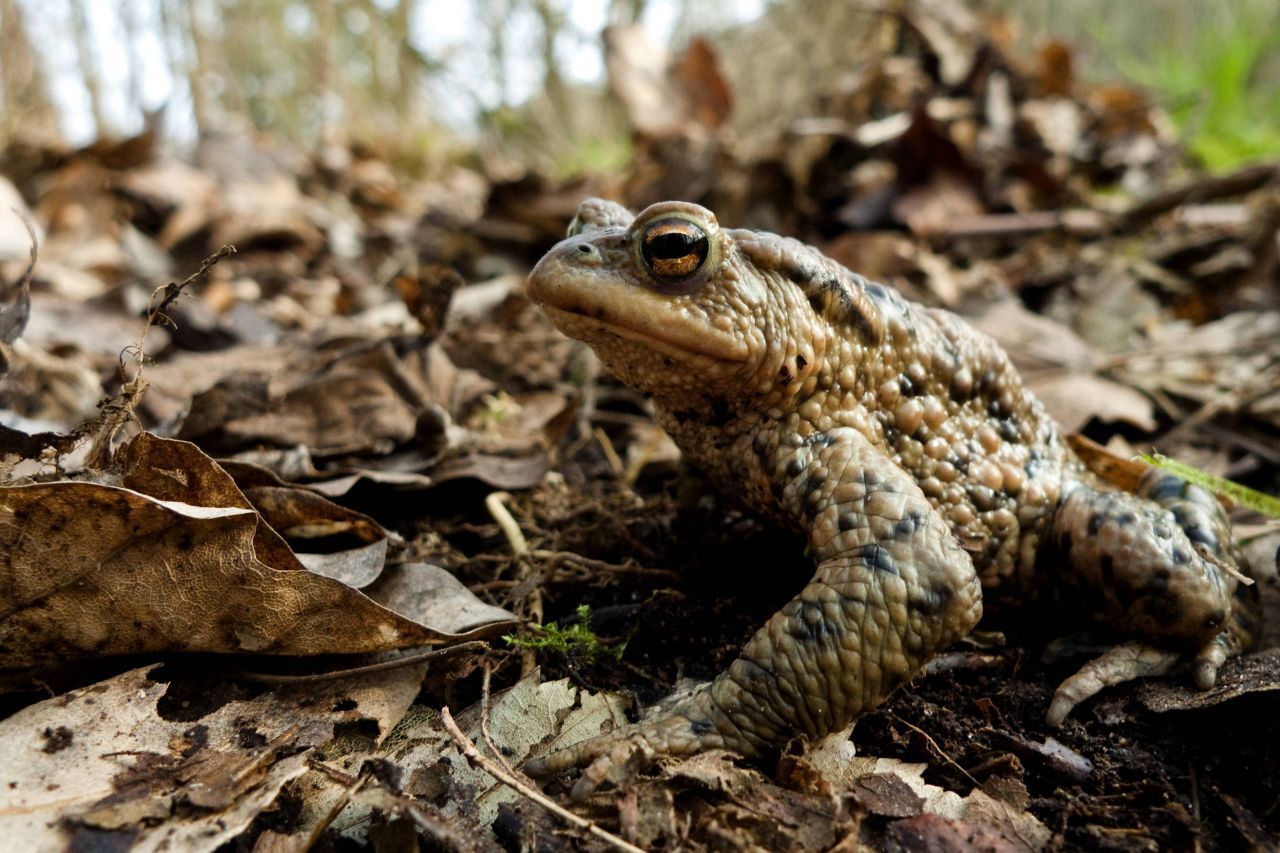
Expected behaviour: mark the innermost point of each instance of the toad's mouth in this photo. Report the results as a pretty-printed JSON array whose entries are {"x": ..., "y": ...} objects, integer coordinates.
[{"x": 670, "y": 338}]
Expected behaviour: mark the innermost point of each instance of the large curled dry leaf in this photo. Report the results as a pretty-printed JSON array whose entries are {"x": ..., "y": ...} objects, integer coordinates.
[{"x": 88, "y": 569}]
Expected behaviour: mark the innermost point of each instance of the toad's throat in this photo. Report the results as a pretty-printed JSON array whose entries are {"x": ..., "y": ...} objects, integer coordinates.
[{"x": 670, "y": 340}]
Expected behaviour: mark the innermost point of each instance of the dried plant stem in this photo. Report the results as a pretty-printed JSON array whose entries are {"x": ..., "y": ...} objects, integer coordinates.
[
  {"x": 473, "y": 755},
  {"x": 496, "y": 504}
]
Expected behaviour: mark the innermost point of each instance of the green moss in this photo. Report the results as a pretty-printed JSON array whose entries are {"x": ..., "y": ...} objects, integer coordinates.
[{"x": 577, "y": 640}]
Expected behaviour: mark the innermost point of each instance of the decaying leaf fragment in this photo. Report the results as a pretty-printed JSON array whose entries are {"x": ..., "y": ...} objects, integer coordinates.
[{"x": 106, "y": 764}]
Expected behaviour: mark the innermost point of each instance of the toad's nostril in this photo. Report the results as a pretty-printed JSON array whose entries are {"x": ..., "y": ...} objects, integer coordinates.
[{"x": 584, "y": 248}]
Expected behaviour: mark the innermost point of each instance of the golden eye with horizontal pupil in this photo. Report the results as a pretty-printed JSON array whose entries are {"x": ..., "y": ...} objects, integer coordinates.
[{"x": 674, "y": 248}]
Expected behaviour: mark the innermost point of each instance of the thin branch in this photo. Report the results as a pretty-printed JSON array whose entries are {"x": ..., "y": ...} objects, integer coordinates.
[
  {"x": 380, "y": 666},
  {"x": 473, "y": 755}
]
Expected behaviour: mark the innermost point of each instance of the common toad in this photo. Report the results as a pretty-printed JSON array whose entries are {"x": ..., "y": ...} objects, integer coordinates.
[{"x": 903, "y": 443}]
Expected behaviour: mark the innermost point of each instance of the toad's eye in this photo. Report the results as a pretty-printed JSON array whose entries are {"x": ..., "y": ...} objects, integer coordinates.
[{"x": 674, "y": 248}]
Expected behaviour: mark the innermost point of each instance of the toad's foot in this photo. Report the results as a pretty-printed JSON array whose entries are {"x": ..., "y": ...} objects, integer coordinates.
[
  {"x": 1164, "y": 569},
  {"x": 1119, "y": 664},
  {"x": 691, "y": 726}
]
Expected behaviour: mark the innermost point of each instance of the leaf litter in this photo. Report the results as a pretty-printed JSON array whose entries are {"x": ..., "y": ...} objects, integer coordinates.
[{"x": 282, "y": 492}]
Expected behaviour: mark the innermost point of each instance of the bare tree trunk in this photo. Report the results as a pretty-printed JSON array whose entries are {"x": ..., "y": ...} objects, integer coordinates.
[
  {"x": 626, "y": 11},
  {"x": 25, "y": 108},
  {"x": 197, "y": 70},
  {"x": 324, "y": 90},
  {"x": 553, "y": 84},
  {"x": 495, "y": 14},
  {"x": 88, "y": 66},
  {"x": 128, "y": 11},
  {"x": 406, "y": 67}
]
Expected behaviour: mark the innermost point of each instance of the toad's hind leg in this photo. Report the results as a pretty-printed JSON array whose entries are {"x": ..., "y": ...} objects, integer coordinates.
[
  {"x": 1162, "y": 567},
  {"x": 892, "y": 586}
]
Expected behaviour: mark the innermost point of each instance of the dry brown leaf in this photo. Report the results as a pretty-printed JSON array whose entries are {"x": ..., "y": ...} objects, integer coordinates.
[
  {"x": 90, "y": 569},
  {"x": 1251, "y": 674},
  {"x": 1076, "y": 399},
  {"x": 549, "y": 715},
  {"x": 429, "y": 595},
  {"x": 355, "y": 546},
  {"x": 103, "y": 763}
]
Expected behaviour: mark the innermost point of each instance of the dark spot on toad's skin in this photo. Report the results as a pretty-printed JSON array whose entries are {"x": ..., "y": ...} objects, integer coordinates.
[
  {"x": 1167, "y": 488},
  {"x": 932, "y": 600},
  {"x": 801, "y": 362},
  {"x": 784, "y": 376},
  {"x": 847, "y": 521},
  {"x": 1181, "y": 556},
  {"x": 701, "y": 727},
  {"x": 1245, "y": 620},
  {"x": 875, "y": 557},
  {"x": 666, "y": 362},
  {"x": 795, "y": 467},
  {"x": 1201, "y": 535},
  {"x": 721, "y": 412},
  {"x": 808, "y": 622},
  {"x": 1009, "y": 431},
  {"x": 1215, "y": 619},
  {"x": 1107, "y": 569},
  {"x": 817, "y": 301},
  {"x": 1064, "y": 545},
  {"x": 683, "y": 416},
  {"x": 908, "y": 525},
  {"x": 1095, "y": 523},
  {"x": 799, "y": 273},
  {"x": 813, "y": 483},
  {"x": 1125, "y": 519},
  {"x": 907, "y": 387}
]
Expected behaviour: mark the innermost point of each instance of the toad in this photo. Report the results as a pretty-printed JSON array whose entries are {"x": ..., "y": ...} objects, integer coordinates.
[{"x": 902, "y": 443}]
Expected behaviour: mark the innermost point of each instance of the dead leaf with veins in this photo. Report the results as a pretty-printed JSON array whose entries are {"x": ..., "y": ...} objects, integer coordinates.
[
  {"x": 187, "y": 565},
  {"x": 113, "y": 762}
]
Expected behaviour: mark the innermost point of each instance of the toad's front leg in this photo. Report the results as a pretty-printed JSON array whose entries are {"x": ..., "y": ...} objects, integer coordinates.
[{"x": 892, "y": 587}]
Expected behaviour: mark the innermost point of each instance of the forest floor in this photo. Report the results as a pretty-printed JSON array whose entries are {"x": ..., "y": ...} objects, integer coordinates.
[{"x": 268, "y": 525}]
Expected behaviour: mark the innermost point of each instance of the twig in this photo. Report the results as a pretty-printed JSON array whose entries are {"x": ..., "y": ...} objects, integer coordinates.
[
  {"x": 473, "y": 755},
  {"x": 439, "y": 831},
  {"x": 484, "y": 722},
  {"x": 120, "y": 408},
  {"x": 353, "y": 787},
  {"x": 933, "y": 743},
  {"x": 496, "y": 504},
  {"x": 610, "y": 454},
  {"x": 380, "y": 666},
  {"x": 1240, "y": 182}
]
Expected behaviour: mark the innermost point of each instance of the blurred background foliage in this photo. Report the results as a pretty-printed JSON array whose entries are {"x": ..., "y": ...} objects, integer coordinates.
[{"x": 427, "y": 82}]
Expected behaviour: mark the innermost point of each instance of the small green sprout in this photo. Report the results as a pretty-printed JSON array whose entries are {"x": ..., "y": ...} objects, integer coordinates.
[{"x": 576, "y": 640}]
